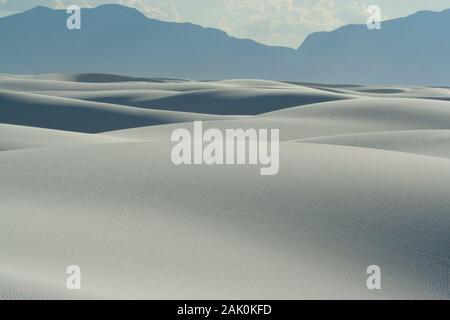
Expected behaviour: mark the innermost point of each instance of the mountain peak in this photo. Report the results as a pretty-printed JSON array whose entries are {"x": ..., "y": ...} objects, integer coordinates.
[
  {"x": 111, "y": 8},
  {"x": 115, "y": 7},
  {"x": 40, "y": 8}
]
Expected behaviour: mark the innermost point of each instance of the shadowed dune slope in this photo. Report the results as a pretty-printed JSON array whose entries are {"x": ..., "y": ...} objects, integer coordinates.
[
  {"x": 378, "y": 91},
  {"x": 223, "y": 101},
  {"x": 231, "y": 97},
  {"x": 82, "y": 116},
  {"x": 242, "y": 100}
]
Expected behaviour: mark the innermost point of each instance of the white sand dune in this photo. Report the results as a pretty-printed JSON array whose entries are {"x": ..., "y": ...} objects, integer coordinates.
[
  {"x": 233, "y": 97},
  {"x": 21, "y": 137},
  {"x": 435, "y": 143},
  {"x": 364, "y": 179},
  {"x": 393, "y": 91},
  {"x": 401, "y": 111},
  {"x": 402, "y": 92},
  {"x": 328, "y": 119},
  {"x": 223, "y": 101},
  {"x": 141, "y": 227}
]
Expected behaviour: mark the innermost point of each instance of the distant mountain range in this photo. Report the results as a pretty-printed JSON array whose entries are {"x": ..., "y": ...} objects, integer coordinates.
[{"x": 121, "y": 40}]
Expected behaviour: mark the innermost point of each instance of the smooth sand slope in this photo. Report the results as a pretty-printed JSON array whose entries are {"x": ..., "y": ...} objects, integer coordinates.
[
  {"x": 142, "y": 228},
  {"x": 427, "y": 142},
  {"x": 21, "y": 137},
  {"x": 364, "y": 179},
  {"x": 327, "y": 119}
]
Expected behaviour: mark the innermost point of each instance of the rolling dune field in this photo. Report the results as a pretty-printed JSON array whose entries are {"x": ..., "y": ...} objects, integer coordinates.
[{"x": 86, "y": 178}]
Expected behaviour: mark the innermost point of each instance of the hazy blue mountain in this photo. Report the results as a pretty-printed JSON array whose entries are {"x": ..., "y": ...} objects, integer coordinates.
[
  {"x": 410, "y": 50},
  {"x": 121, "y": 40}
]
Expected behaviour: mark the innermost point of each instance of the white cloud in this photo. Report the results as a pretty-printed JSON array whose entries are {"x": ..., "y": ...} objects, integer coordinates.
[
  {"x": 164, "y": 11},
  {"x": 284, "y": 22},
  {"x": 63, "y": 4}
]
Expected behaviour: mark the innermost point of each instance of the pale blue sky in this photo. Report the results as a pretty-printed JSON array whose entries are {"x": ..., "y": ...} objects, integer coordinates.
[{"x": 273, "y": 22}]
